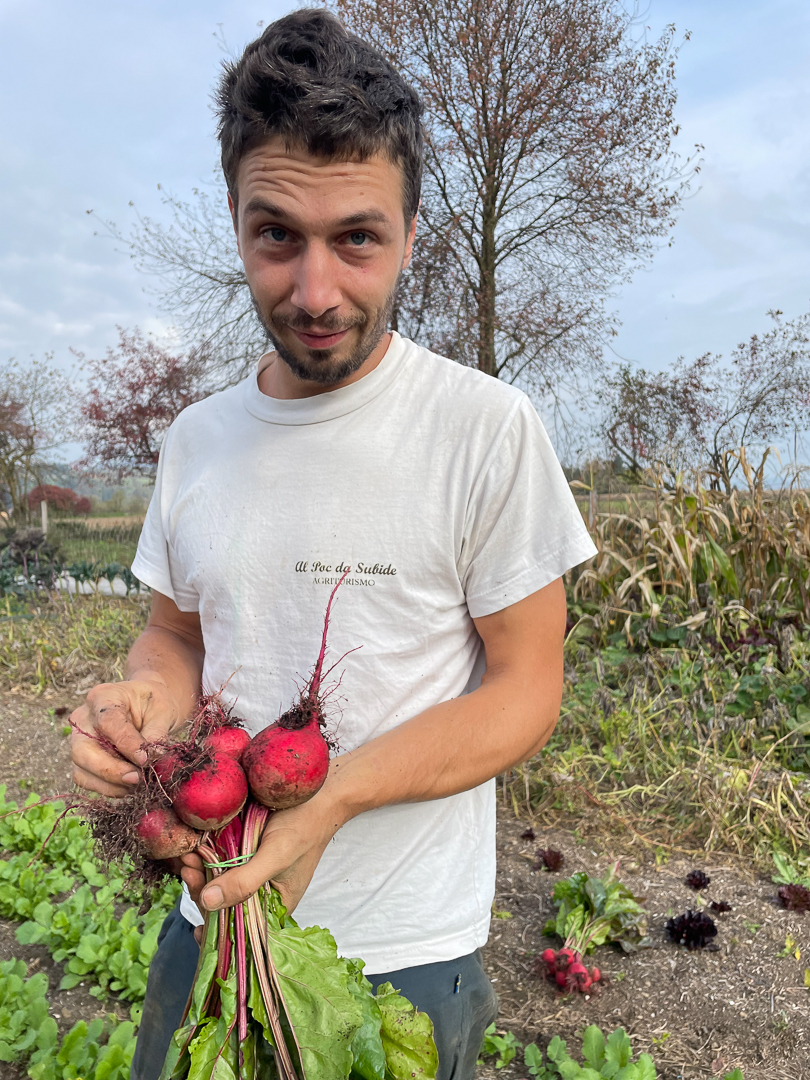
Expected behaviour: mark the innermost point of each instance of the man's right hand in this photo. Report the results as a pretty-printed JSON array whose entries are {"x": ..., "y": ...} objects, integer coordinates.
[{"x": 128, "y": 715}]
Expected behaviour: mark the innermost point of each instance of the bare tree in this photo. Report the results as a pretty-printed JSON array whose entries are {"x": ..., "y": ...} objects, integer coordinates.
[
  {"x": 550, "y": 171},
  {"x": 199, "y": 279},
  {"x": 766, "y": 396},
  {"x": 550, "y": 175},
  {"x": 37, "y": 407},
  {"x": 659, "y": 418},
  {"x": 700, "y": 414}
]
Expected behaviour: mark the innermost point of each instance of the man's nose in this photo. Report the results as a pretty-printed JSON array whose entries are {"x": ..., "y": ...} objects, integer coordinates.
[{"x": 315, "y": 290}]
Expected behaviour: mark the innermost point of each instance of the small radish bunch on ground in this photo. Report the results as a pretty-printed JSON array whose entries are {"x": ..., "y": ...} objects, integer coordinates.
[{"x": 566, "y": 970}]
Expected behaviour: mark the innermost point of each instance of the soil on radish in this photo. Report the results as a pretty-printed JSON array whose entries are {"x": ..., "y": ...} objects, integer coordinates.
[{"x": 287, "y": 762}]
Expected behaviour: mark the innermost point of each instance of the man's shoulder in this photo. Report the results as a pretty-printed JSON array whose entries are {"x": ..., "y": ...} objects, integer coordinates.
[
  {"x": 448, "y": 382},
  {"x": 210, "y": 413}
]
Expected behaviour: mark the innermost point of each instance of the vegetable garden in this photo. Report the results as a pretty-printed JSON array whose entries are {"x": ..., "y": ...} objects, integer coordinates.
[{"x": 682, "y": 747}]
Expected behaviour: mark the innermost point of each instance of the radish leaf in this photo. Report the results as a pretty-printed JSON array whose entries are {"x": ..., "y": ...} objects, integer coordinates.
[
  {"x": 367, "y": 1049},
  {"x": 320, "y": 1006},
  {"x": 407, "y": 1037}
]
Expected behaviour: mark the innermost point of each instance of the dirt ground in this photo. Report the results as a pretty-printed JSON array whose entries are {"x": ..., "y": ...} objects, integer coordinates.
[{"x": 699, "y": 1014}]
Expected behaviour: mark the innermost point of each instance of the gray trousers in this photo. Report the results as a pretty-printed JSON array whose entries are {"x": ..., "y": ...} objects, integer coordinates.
[{"x": 456, "y": 995}]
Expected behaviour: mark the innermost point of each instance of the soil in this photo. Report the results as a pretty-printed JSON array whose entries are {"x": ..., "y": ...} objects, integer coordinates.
[{"x": 700, "y": 1014}]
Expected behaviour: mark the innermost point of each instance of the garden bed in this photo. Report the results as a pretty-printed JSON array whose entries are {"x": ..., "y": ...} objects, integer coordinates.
[{"x": 698, "y": 1014}]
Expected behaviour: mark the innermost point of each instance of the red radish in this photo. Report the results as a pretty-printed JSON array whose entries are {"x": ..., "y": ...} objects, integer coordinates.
[
  {"x": 561, "y": 979},
  {"x": 228, "y": 740},
  {"x": 549, "y": 957},
  {"x": 567, "y": 956},
  {"x": 286, "y": 767},
  {"x": 287, "y": 762},
  {"x": 166, "y": 766},
  {"x": 596, "y": 975},
  {"x": 163, "y": 835},
  {"x": 579, "y": 974},
  {"x": 213, "y": 794}
]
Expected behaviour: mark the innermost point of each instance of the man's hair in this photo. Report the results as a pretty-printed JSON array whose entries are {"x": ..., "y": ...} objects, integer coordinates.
[{"x": 318, "y": 87}]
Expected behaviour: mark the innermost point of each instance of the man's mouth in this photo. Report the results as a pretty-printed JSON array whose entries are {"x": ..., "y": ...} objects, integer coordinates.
[{"x": 322, "y": 340}]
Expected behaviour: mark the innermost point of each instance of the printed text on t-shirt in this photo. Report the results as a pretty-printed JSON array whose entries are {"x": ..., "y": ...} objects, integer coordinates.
[{"x": 317, "y": 567}]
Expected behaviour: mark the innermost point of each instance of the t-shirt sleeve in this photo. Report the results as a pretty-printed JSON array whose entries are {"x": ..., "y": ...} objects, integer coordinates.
[
  {"x": 523, "y": 528},
  {"x": 154, "y": 564}
]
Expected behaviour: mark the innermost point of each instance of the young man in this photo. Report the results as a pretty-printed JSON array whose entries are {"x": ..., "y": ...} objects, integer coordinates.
[{"x": 353, "y": 449}]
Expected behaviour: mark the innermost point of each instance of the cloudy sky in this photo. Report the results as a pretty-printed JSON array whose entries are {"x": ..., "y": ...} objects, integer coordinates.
[{"x": 101, "y": 101}]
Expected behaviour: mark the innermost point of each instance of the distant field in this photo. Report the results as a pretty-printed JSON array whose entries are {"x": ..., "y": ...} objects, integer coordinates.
[
  {"x": 97, "y": 540},
  {"x": 110, "y": 522}
]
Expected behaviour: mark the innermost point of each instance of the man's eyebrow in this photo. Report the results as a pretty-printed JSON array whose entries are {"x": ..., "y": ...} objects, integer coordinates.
[
  {"x": 260, "y": 206},
  {"x": 365, "y": 217},
  {"x": 372, "y": 216}
]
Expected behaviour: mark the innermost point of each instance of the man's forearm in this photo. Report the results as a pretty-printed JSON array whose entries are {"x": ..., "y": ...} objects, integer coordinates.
[
  {"x": 459, "y": 744},
  {"x": 449, "y": 748},
  {"x": 446, "y": 749},
  {"x": 161, "y": 655}
]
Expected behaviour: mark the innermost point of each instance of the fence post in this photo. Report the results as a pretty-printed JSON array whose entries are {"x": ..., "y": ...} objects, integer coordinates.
[{"x": 44, "y": 508}]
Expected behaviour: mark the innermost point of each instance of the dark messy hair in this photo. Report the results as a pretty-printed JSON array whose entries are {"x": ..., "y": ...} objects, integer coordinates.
[{"x": 309, "y": 81}]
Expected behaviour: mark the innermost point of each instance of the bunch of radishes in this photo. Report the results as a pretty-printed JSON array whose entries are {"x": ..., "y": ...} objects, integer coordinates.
[
  {"x": 566, "y": 970},
  {"x": 201, "y": 783}
]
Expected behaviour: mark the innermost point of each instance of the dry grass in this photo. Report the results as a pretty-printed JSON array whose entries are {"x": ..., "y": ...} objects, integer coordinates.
[
  {"x": 670, "y": 542},
  {"x": 64, "y": 641},
  {"x": 686, "y": 715}
]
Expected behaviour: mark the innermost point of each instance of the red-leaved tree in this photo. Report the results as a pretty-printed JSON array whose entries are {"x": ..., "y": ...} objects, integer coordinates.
[
  {"x": 59, "y": 498},
  {"x": 134, "y": 393}
]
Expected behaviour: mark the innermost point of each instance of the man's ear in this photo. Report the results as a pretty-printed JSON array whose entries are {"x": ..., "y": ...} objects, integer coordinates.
[
  {"x": 234, "y": 222},
  {"x": 406, "y": 258}
]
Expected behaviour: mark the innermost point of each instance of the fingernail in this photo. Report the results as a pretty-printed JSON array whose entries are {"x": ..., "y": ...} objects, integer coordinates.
[
  {"x": 140, "y": 756},
  {"x": 212, "y": 898},
  {"x": 131, "y": 778}
]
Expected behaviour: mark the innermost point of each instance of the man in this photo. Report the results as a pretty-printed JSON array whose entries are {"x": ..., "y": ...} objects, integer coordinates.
[{"x": 349, "y": 448}]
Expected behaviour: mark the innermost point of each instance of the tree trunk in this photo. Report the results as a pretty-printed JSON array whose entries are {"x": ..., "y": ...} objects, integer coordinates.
[{"x": 487, "y": 360}]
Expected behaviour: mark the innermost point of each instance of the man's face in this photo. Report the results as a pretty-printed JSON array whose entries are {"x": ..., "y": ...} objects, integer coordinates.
[{"x": 323, "y": 243}]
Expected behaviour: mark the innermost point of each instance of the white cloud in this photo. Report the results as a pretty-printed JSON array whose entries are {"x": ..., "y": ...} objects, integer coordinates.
[
  {"x": 742, "y": 241},
  {"x": 99, "y": 103}
]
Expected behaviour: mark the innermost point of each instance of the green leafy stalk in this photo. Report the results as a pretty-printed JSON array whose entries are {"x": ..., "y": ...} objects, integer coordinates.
[
  {"x": 597, "y": 911},
  {"x": 274, "y": 1000}
]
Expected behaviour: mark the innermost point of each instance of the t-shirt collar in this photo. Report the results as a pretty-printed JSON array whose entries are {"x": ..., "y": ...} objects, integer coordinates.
[{"x": 321, "y": 407}]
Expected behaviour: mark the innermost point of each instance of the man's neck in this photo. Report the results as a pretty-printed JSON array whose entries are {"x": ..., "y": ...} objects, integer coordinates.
[{"x": 276, "y": 379}]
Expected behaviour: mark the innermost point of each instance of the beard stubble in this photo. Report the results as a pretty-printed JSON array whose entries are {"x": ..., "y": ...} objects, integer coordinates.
[{"x": 320, "y": 366}]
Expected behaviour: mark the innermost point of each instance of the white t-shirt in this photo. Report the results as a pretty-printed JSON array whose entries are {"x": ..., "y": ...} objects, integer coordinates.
[{"x": 437, "y": 488}]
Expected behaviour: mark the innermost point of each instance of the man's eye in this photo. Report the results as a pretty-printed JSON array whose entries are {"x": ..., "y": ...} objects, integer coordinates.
[
  {"x": 277, "y": 234},
  {"x": 358, "y": 238}
]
